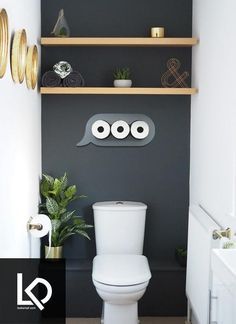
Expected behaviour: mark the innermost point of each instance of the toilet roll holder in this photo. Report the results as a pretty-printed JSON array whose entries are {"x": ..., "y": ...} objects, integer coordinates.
[
  {"x": 31, "y": 226},
  {"x": 111, "y": 140}
]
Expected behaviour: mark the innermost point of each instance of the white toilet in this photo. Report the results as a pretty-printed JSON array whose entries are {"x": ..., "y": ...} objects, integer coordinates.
[{"x": 120, "y": 272}]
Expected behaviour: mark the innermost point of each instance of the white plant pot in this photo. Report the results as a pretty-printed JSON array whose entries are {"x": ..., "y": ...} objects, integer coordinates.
[{"x": 122, "y": 83}]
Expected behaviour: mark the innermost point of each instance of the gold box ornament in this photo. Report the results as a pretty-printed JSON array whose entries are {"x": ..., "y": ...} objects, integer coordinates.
[{"x": 158, "y": 32}]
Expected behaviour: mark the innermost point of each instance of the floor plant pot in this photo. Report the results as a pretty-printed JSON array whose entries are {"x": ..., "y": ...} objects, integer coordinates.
[
  {"x": 122, "y": 83},
  {"x": 55, "y": 252}
]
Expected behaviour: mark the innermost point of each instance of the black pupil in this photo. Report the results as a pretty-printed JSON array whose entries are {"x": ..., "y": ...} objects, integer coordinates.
[
  {"x": 120, "y": 129},
  {"x": 100, "y": 129},
  {"x": 140, "y": 129}
]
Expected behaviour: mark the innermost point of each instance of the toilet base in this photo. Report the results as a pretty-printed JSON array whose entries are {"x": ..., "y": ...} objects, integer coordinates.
[
  {"x": 117, "y": 314},
  {"x": 120, "y": 303}
]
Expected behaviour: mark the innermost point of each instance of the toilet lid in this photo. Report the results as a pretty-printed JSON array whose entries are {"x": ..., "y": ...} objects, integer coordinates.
[
  {"x": 121, "y": 270},
  {"x": 119, "y": 205}
]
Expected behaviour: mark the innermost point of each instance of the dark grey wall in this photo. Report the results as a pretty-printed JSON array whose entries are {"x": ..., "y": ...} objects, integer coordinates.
[{"x": 157, "y": 174}]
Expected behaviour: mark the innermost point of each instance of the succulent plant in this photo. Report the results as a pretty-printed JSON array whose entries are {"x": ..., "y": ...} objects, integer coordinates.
[
  {"x": 181, "y": 251},
  {"x": 122, "y": 74}
]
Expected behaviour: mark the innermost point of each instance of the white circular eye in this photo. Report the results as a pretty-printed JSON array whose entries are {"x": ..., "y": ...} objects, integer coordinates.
[
  {"x": 140, "y": 129},
  {"x": 101, "y": 129},
  {"x": 120, "y": 129}
]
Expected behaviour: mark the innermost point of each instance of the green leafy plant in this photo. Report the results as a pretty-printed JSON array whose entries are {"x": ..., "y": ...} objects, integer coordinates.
[
  {"x": 63, "y": 31},
  {"x": 181, "y": 251},
  {"x": 122, "y": 74},
  {"x": 181, "y": 256},
  {"x": 56, "y": 196}
]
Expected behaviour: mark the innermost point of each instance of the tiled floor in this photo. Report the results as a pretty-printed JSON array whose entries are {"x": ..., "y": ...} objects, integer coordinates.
[{"x": 143, "y": 320}]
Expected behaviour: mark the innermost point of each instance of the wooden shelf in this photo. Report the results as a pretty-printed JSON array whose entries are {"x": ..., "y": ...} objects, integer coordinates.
[
  {"x": 118, "y": 91},
  {"x": 119, "y": 41}
]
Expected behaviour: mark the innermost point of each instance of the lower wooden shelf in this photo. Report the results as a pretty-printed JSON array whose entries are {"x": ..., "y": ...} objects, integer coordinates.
[{"x": 117, "y": 91}]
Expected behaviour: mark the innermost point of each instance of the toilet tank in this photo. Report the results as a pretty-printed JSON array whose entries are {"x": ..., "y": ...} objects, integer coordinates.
[{"x": 119, "y": 227}]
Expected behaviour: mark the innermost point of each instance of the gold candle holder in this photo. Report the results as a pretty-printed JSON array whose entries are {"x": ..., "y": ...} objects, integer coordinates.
[{"x": 158, "y": 32}]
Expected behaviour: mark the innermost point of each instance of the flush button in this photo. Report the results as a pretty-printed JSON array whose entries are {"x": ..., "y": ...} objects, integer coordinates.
[{"x": 119, "y": 203}]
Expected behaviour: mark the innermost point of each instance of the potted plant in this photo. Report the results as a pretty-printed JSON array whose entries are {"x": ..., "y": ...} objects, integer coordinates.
[
  {"x": 56, "y": 196},
  {"x": 181, "y": 256},
  {"x": 122, "y": 78}
]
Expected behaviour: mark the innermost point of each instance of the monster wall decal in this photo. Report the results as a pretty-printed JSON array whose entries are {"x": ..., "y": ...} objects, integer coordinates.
[{"x": 118, "y": 130}]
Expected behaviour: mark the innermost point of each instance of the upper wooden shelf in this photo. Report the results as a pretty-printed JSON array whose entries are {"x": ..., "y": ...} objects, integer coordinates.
[{"x": 119, "y": 41}]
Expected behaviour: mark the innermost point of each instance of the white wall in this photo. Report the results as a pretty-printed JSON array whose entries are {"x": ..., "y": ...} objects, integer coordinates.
[
  {"x": 20, "y": 142},
  {"x": 213, "y": 137}
]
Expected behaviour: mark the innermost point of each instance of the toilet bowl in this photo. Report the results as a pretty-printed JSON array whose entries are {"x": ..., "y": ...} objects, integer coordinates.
[
  {"x": 120, "y": 280},
  {"x": 120, "y": 272}
]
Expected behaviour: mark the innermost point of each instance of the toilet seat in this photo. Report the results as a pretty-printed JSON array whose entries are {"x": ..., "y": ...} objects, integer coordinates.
[{"x": 121, "y": 270}]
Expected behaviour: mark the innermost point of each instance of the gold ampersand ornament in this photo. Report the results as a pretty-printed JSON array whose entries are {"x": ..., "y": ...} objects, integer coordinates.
[{"x": 172, "y": 78}]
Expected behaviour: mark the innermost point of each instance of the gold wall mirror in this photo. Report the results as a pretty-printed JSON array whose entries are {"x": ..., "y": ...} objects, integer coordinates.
[
  {"x": 4, "y": 41},
  {"x": 32, "y": 67},
  {"x": 18, "y": 56}
]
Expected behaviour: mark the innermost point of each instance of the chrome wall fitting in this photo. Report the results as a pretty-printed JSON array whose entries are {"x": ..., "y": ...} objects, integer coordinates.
[{"x": 218, "y": 234}]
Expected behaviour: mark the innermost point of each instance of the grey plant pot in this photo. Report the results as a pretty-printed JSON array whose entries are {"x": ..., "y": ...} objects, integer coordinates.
[{"x": 122, "y": 83}]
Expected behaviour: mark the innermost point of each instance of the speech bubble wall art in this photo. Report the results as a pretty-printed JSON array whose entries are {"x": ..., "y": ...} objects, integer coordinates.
[{"x": 118, "y": 130}]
